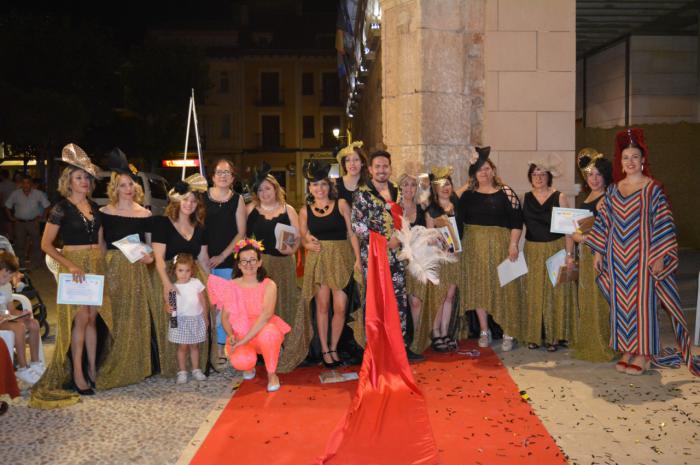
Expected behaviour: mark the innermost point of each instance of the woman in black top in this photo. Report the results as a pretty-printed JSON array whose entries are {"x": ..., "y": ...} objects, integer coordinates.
[
  {"x": 333, "y": 252},
  {"x": 224, "y": 226},
  {"x": 353, "y": 161},
  {"x": 180, "y": 230},
  {"x": 491, "y": 212},
  {"x": 590, "y": 329},
  {"x": 547, "y": 309},
  {"x": 443, "y": 207},
  {"x": 77, "y": 220},
  {"x": 268, "y": 209},
  {"x": 417, "y": 291},
  {"x": 128, "y": 283}
]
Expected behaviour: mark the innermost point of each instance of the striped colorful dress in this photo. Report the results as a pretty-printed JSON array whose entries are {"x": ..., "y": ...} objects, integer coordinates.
[{"x": 631, "y": 232}]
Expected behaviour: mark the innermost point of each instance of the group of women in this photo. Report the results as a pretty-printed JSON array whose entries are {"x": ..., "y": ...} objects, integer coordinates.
[{"x": 125, "y": 340}]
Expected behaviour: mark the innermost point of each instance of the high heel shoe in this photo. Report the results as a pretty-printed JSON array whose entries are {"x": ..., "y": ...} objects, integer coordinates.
[
  {"x": 83, "y": 392},
  {"x": 339, "y": 362},
  {"x": 332, "y": 364},
  {"x": 91, "y": 382}
]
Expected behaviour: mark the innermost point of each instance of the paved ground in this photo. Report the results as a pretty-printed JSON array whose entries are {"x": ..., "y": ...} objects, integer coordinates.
[{"x": 596, "y": 415}]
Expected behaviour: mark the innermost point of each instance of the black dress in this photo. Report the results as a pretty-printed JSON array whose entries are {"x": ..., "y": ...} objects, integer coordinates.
[
  {"x": 164, "y": 232},
  {"x": 118, "y": 227},
  {"x": 538, "y": 217},
  {"x": 420, "y": 216},
  {"x": 262, "y": 229},
  {"x": 220, "y": 226},
  {"x": 343, "y": 192}
]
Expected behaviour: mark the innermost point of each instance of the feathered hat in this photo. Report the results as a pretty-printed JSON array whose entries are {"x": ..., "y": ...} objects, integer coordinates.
[
  {"x": 549, "y": 163},
  {"x": 193, "y": 183},
  {"x": 630, "y": 137},
  {"x": 317, "y": 170},
  {"x": 477, "y": 158},
  {"x": 75, "y": 156},
  {"x": 440, "y": 174},
  {"x": 117, "y": 162}
]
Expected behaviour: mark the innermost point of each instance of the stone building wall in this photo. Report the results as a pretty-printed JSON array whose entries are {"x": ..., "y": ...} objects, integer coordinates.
[{"x": 367, "y": 123}]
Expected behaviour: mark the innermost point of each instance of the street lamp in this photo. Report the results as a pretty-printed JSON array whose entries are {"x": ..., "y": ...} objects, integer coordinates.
[{"x": 336, "y": 133}]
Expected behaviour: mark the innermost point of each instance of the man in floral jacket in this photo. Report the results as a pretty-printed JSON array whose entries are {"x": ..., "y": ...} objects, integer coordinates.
[{"x": 376, "y": 207}]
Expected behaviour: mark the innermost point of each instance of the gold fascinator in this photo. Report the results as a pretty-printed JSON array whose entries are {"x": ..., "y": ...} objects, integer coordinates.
[
  {"x": 585, "y": 160},
  {"x": 549, "y": 162},
  {"x": 75, "y": 156},
  {"x": 348, "y": 150},
  {"x": 441, "y": 172},
  {"x": 193, "y": 183}
]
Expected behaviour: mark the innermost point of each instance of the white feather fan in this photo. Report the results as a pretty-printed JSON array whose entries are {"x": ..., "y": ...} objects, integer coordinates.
[{"x": 421, "y": 247}]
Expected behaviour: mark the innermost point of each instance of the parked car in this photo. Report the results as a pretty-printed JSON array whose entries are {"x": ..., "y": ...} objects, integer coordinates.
[{"x": 155, "y": 190}]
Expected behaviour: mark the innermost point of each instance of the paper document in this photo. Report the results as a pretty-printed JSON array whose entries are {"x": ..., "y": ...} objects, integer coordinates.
[
  {"x": 563, "y": 219},
  {"x": 509, "y": 271},
  {"x": 554, "y": 264},
  {"x": 132, "y": 247},
  {"x": 447, "y": 225},
  {"x": 285, "y": 234},
  {"x": 336, "y": 377},
  {"x": 89, "y": 292}
]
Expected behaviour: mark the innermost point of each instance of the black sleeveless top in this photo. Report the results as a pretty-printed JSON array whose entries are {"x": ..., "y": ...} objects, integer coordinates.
[
  {"x": 76, "y": 228},
  {"x": 538, "y": 217},
  {"x": 343, "y": 192},
  {"x": 420, "y": 216},
  {"x": 501, "y": 208},
  {"x": 164, "y": 232},
  {"x": 327, "y": 228},
  {"x": 263, "y": 230},
  {"x": 220, "y": 226},
  {"x": 118, "y": 227},
  {"x": 592, "y": 206}
]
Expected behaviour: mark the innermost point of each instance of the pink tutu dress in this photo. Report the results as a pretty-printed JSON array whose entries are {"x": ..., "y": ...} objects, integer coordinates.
[{"x": 243, "y": 307}]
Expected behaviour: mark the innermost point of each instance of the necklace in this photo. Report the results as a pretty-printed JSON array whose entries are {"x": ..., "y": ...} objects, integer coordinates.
[
  {"x": 322, "y": 210},
  {"x": 269, "y": 209}
]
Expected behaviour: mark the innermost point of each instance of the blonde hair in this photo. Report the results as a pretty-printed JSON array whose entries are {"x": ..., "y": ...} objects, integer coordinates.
[
  {"x": 474, "y": 184},
  {"x": 64, "y": 181},
  {"x": 172, "y": 211},
  {"x": 113, "y": 187},
  {"x": 280, "y": 195}
]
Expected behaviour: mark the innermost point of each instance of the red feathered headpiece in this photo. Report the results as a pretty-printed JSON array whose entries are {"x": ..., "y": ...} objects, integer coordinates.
[{"x": 630, "y": 137}]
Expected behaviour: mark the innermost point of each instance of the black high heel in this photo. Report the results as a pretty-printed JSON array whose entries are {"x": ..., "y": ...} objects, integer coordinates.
[
  {"x": 83, "y": 392},
  {"x": 333, "y": 364},
  {"x": 91, "y": 383},
  {"x": 438, "y": 344},
  {"x": 339, "y": 361}
]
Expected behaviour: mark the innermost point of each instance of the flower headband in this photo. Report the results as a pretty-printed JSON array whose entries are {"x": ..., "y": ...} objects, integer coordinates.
[{"x": 247, "y": 242}]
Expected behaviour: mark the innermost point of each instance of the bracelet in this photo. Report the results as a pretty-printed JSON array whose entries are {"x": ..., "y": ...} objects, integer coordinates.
[{"x": 569, "y": 254}]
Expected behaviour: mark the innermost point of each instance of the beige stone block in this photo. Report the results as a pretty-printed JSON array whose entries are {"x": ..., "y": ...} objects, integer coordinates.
[
  {"x": 442, "y": 61},
  {"x": 536, "y": 15},
  {"x": 447, "y": 155},
  {"x": 556, "y": 51},
  {"x": 491, "y": 91},
  {"x": 556, "y": 130},
  {"x": 491, "y": 15},
  {"x": 446, "y": 15},
  {"x": 402, "y": 120},
  {"x": 511, "y": 130},
  {"x": 536, "y": 91},
  {"x": 443, "y": 120},
  {"x": 512, "y": 169},
  {"x": 474, "y": 14},
  {"x": 510, "y": 51}
]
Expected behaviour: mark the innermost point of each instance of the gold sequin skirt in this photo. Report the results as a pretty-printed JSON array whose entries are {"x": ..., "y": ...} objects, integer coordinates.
[
  {"x": 545, "y": 307},
  {"x": 483, "y": 249},
  {"x": 49, "y": 392},
  {"x": 450, "y": 274},
  {"x": 167, "y": 351},
  {"x": 332, "y": 266},
  {"x": 129, "y": 287},
  {"x": 590, "y": 328},
  {"x": 289, "y": 307}
]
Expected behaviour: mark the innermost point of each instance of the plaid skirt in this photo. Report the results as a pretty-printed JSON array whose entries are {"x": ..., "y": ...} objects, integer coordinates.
[{"x": 190, "y": 330}]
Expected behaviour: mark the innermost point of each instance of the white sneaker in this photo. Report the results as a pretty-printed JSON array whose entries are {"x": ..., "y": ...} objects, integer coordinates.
[
  {"x": 484, "y": 338},
  {"x": 249, "y": 374},
  {"x": 181, "y": 377},
  {"x": 27, "y": 376},
  {"x": 37, "y": 367},
  {"x": 507, "y": 344},
  {"x": 198, "y": 375}
]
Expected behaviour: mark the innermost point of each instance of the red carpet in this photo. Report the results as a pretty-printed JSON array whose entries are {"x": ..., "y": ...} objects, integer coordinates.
[{"x": 476, "y": 413}]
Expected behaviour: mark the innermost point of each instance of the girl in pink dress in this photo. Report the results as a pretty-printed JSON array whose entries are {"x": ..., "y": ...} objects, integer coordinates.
[{"x": 248, "y": 303}]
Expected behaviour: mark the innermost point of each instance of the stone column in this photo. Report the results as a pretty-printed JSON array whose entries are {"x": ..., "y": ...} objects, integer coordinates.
[
  {"x": 457, "y": 73},
  {"x": 432, "y": 82}
]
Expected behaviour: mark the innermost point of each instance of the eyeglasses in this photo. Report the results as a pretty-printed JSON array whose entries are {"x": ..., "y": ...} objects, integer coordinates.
[
  {"x": 251, "y": 262},
  {"x": 222, "y": 173},
  {"x": 539, "y": 175}
]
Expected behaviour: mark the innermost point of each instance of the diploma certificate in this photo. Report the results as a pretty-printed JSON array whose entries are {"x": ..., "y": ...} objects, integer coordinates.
[
  {"x": 89, "y": 292},
  {"x": 563, "y": 219}
]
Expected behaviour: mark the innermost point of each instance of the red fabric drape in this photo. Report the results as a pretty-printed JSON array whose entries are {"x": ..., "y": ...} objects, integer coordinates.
[
  {"x": 387, "y": 422},
  {"x": 8, "y": 382}
]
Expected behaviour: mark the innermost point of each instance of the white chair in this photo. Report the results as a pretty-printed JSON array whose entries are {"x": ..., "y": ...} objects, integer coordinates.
[
  {"x": 9, "y": 336},
  {"x": 696, "y": 340}
]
